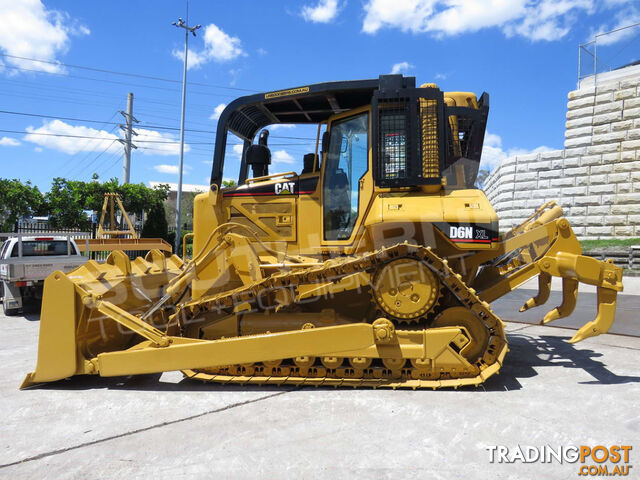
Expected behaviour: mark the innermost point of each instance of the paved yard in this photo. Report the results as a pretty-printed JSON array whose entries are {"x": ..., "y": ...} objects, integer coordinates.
[{"x": 162, "y": 426}]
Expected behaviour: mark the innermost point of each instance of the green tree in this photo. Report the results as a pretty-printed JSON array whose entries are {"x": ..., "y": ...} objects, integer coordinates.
[
  {"x": 155, "y": 225},
  {"x": 18, "y": 200},
  {"x": 229, "y": 183},
  {"x": 483, "y": 173}
]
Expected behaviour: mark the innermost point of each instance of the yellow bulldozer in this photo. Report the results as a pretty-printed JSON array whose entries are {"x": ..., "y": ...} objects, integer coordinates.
[{"x": 373, "y": 266}]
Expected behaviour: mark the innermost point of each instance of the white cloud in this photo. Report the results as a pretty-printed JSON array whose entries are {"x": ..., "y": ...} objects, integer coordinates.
[
  {"x": 402, "y": 67},
  {"x": 158, "y": 143},
  {"x": 45, "y": 136},
  {"x": 170, "y": 169},
  {"x": 218, "y": 111},
  {"x": 236, "y": 150},
  {"x": 493, "y": 154},
  {"x": 440, "y": 76},
  {"x": 28, "y": 29},
  {"x": 533, "y": 19},
  {"x": 323, "y": 12},
  {"x": 63, "y": 137},
  {"x": 262, "y": 51},
  {"x": 218, "y": 46},
  {"x": 282, "y": 156},
  {"x": 9, "y": 142},
  {"x": 38, "y": 149}
]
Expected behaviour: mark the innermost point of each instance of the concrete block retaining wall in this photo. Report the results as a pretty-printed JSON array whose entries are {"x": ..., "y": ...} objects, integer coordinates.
[{"x": 596, "y": 177}]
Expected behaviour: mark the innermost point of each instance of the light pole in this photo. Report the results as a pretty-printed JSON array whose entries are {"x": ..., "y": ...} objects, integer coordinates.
[{"x": 180, "y": 23}]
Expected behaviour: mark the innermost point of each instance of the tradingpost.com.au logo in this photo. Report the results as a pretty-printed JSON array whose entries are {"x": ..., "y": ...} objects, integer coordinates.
[{"x": 596, "y": 461}]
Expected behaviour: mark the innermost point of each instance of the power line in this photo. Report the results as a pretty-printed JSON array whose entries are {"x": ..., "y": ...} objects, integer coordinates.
[
  {"x": 159, "y": 127},
  {"x": 137, "y": 75}
]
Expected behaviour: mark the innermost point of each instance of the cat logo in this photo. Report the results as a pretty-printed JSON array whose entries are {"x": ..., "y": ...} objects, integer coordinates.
[
  {"x": 284, "y": 188},
  {"x": 461, "y": 232}
]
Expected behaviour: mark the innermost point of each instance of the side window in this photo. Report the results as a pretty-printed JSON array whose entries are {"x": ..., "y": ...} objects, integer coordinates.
[{"x": 347, "y": 161}]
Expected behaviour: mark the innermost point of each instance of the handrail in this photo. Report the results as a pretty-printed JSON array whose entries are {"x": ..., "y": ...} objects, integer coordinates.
[
  {"x": 184, "y": 244},
  {"x": 273, "y": 175}
]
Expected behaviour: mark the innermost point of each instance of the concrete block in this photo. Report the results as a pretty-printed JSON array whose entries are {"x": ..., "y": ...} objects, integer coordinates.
[
  {"x": 580, "y": 112},
  {"x": 600, "y": 189},
  {"x": 599, "y": 230},
  {"x": 625, "y": 93},
  {"x": 631, "y": 102},
  {"x": 606, "y": 118},
  {"x": 635, "y": 176},
  {"x": 635, "y": 187},
  {"x": 633, "y": 134},
  {"x": 594, "y": 220},
  {"x": 543, "y": 184},
  {"x": 634, "y": 219},
  {"x": 615, "y": 220},
  {"x": 539, "y": 165},
  {"x": 585, "y": 101},
  {"x": 608, "y": 199},
  {"x": 526, "y": 177},
  {"x": 521, "y": 194},
  {"x": 506, "y": 170},
  {"x": 578, "y": 132},
  {"x": 508, "y": 161},
  {"x": 552, "y": 155},
  {"x": 622, "y": 125},
  {"x": 628, "y": 198},
  {"x": 528, "y": 186},
  {"x": 561, "y": 182},
  {"x": 519, "y": 204},
  {"x": 604, "y": 98},
  {"x": 625, "y": 209},
  {"x": 578, "y": 230},
  {"x": 598, "y": 210},
  {"x": 628, "y": 83},
  {"x": 573, "y": 191},
  {"x": 575, "y": 152},
  {"x": 626, "y": 167},
  {"x": 578, "y": 122},
  {"x": 610, "y": 137},
  {"x": 582, "y": 92},
  {"x": 597, "y": 179},
  {"x": 549, "y": 174},
  {"x": 607, "y": 107},
  {"x": 631, "y": 113},
  {"x": 597, "y": 169},
  {"x": 601, "y": 129},
  {"x": 582, "y": 180},
  {"x": 578, "y": 142},
  {"x": 576, "y": 211},
  {"x": 623, "y": 231},
  {"x": 591, "y": 160},
  {"x": 604, "y": 148},
  {"x": 521, "y": 167},
  {"x": 529, "y": 157},
  {"x": 573, "y": 172},
  {"x": 631, "y": 145},
  {"x": 618, "y": 177},
  {"x": 628, "y": 155},
  {"x": 608, "y": 87},
  {"x": 624, "y": 187},
  {"x": 572, "y": 162},
  {"x": 612, "y": 157}
]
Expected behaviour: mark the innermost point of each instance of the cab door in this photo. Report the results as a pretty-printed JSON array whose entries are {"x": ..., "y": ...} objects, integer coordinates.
[{"x": 344, "y": 173}]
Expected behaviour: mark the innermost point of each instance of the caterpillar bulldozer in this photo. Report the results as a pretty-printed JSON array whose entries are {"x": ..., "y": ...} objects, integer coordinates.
[{"x": 373, "y": 266}]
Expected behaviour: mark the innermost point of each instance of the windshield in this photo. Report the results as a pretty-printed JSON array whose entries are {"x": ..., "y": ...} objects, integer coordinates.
[{"x": 37, "y": 248}]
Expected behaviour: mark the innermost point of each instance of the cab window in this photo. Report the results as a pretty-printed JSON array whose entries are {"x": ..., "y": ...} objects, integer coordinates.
[{"x": 346, "y": 163}]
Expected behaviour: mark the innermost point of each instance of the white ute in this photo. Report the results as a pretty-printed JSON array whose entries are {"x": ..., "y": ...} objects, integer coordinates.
[{"x": 26, "y": 260}]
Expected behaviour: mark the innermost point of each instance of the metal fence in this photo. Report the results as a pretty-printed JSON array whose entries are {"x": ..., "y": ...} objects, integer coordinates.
[{"x": 608, "y": 51}]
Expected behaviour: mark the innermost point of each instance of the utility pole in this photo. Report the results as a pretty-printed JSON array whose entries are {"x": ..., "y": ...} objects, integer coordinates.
[
  {"x": 128, "y": 132},
  {"x": 187, "y": 29}
]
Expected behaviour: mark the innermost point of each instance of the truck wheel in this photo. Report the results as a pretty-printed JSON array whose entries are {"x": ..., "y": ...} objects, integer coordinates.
[{"x": 9, "y": 312}]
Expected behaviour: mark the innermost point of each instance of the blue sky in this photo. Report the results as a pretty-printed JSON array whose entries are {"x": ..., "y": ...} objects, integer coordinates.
[{"x": 524, "y": 53}]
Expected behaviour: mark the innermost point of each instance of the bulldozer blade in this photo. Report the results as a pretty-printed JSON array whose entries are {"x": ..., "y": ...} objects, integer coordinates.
[
  {"x": 604, "y": 319},
  {"x": 569, "y": 298},
  {"x": 57, "y": 340},
  {"x": 544, "y": 289}
]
